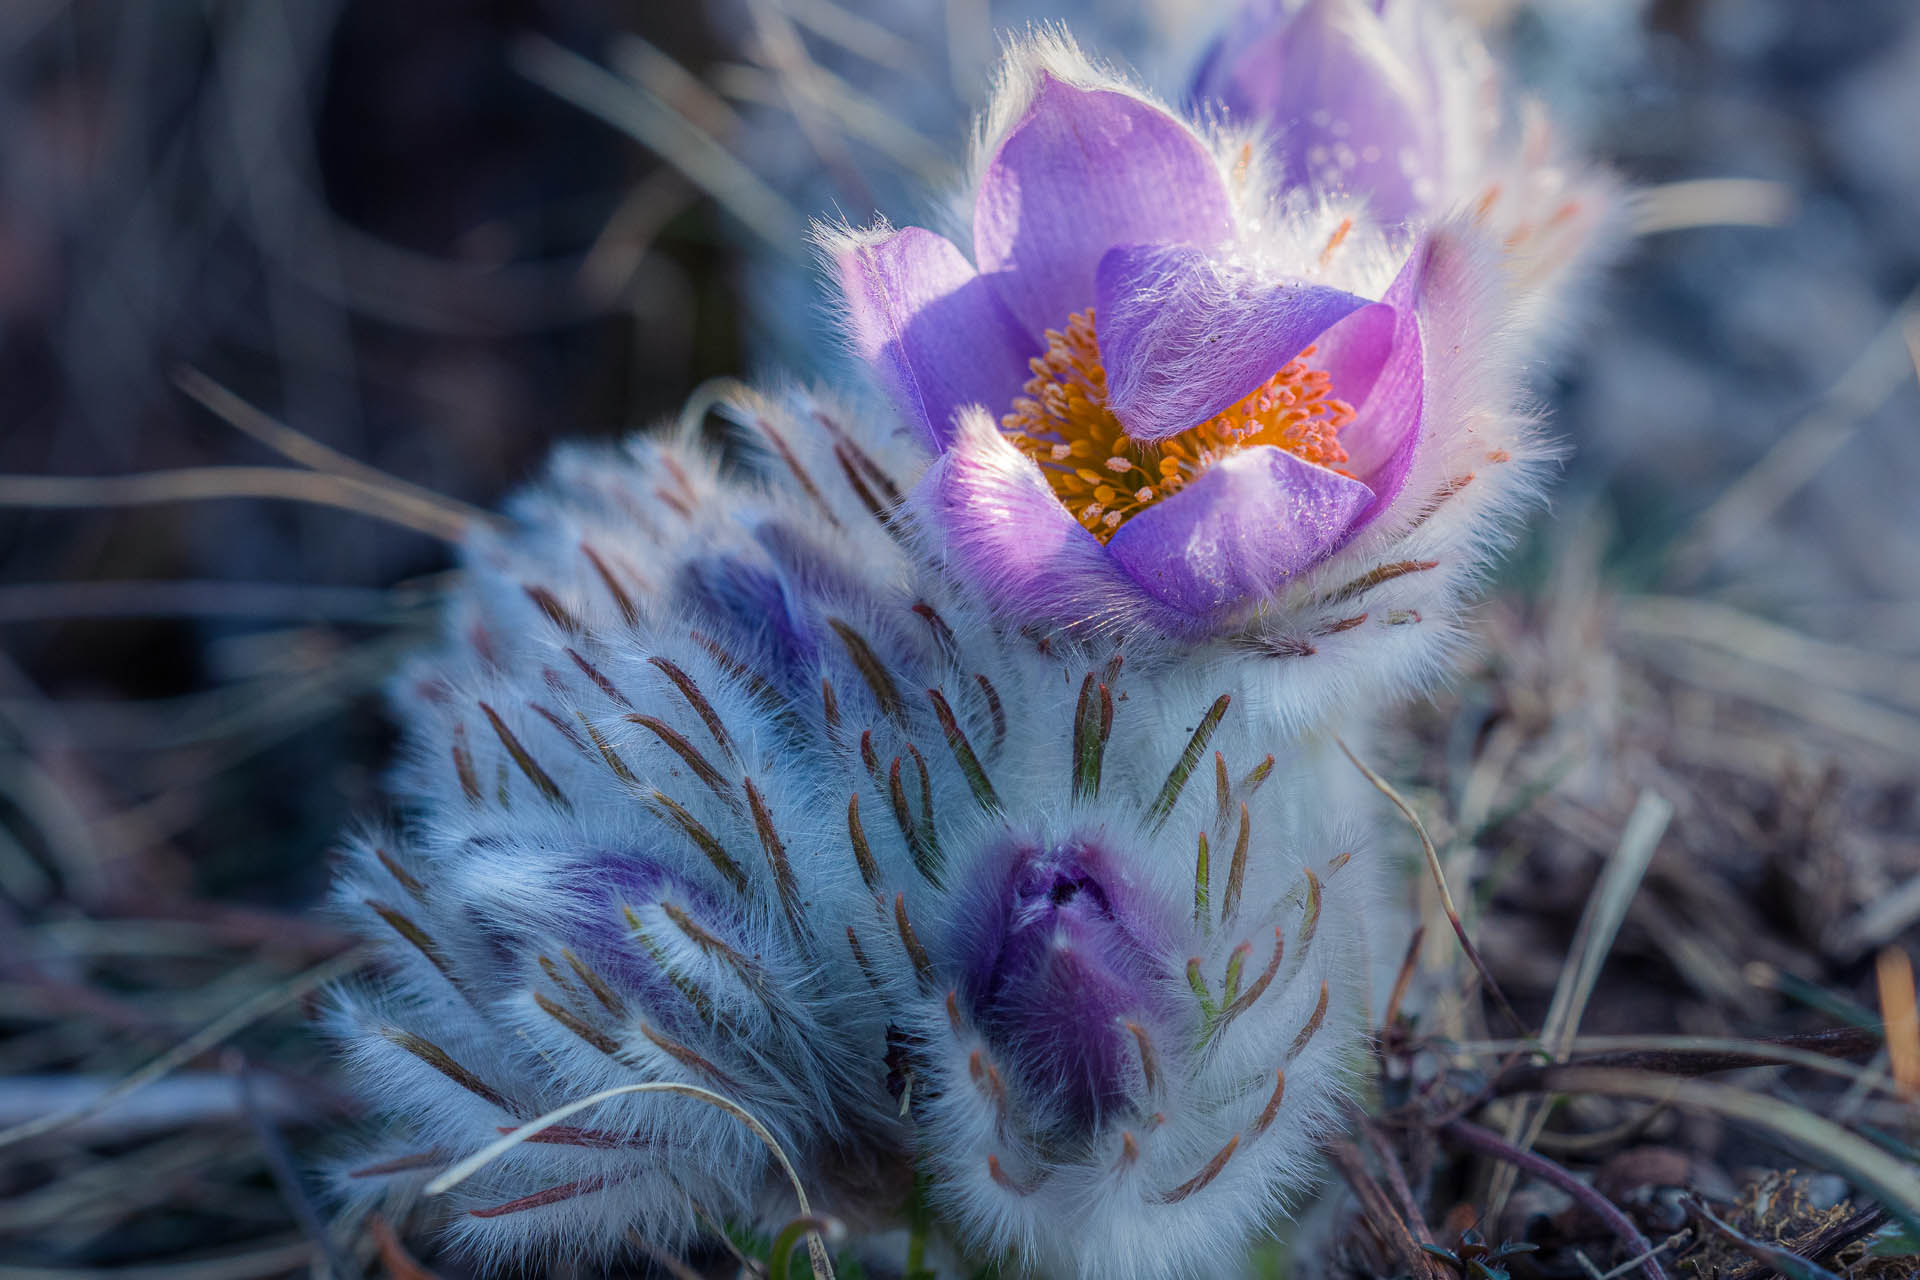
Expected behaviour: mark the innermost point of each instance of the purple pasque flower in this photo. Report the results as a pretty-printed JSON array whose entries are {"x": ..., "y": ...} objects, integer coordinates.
[
  {"x": 1349, "y": 94},
  {"x": 1397, "y": 103},
  {"x": 1057, "y": 951},
  {"x": 1134, "y": 424}
]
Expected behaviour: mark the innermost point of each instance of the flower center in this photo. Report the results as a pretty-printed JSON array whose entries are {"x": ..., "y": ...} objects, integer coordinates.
[{"x": 1105, "y": 477}]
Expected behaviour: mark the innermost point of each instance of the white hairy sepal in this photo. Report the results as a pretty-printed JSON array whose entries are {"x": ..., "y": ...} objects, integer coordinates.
[
  {"x": 564, "y": 628},
  {"x": 1384, "y": 618}
]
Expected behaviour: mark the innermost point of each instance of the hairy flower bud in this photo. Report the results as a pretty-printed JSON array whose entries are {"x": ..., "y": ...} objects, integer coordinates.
[
  {"x": 1129, "y": 1020},
  {"x": 693, "y": 797},
  {"x": 1056, "y": 955},
  {"x": 945, "y": 813}
]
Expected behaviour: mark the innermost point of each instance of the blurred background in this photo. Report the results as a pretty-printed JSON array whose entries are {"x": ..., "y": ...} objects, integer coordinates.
[{"x": 287, "y": 290}]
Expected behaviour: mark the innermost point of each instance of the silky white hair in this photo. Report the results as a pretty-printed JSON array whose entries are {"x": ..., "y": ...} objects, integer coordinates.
[{"x": 630, "y": 846}]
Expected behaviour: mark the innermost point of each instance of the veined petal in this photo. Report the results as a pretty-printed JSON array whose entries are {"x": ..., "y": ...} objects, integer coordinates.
[
  {"x": 931, "y": 329},
  {"x": 1377, "y": 357},
  {"x": 1237, "y": 533},
  {"x": 1347, "y": 109},
  {"x": 1181, "y": 339},
  {"x": 1085, "y": 170},
  {"x": 995, "y": 521}
]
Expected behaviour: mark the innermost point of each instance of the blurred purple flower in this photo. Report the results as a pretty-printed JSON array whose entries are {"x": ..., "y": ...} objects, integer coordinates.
[
  {"x": 1172, "y": 436},
  {"x": 1350, "y": 105},
  {"x": 1397, "y": 103}
]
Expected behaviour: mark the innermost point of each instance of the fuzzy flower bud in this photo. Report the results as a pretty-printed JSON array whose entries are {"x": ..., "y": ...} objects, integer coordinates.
[
  {"x": 1055, "y": 956},
  {"x": 1130, "y": 1017}
]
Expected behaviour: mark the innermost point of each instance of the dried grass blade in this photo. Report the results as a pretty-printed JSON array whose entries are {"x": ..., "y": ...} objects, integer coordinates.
[
  {"x": 215, "y": 1032},
  {"x": 453, "y": 1177},
  {"x": 642, "y": 115},
  {"x": 1600, "y": 922},
  {"x": 1440, "y": 882}
]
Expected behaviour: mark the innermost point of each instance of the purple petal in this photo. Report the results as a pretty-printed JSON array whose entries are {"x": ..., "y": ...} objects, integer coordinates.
[
  {"x": 1083, "y": 171},
  {"x": 1377, "y": 360},
  {"x": 1181, "y": 339},
  {"x": 931, "y": 328},
  {"x": 993, "y": 519},
  {"x": 1347, "y": 110},
  {"x": 1238, "y": 532}
]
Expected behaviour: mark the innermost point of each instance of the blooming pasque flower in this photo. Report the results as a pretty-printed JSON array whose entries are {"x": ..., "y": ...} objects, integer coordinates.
[
  {"x": 1153, "y": 404},
  {"x": 711, "y": 783},
  {"x": 1397, "y": 104}
]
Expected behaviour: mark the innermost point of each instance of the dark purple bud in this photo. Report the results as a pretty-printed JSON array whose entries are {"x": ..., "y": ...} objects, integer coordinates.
[{"x": 1059, "y": 953}]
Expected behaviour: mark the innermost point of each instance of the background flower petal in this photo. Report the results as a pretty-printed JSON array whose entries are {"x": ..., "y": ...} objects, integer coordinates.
[
  {"x": 1346, "y": 110},
  {"x": 932, "y": 330},
  {"x": 1237, "y": 533},
  {"x": 1181, "y": 339},
  {"x": 1085, "y": 170}
]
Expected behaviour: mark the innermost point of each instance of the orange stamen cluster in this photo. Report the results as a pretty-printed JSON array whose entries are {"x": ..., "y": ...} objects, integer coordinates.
[{"x": 1105, "y": 477}]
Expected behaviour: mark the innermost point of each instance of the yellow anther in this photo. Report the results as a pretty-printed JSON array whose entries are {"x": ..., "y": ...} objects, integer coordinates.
[{"x": 1062, "y": 414}]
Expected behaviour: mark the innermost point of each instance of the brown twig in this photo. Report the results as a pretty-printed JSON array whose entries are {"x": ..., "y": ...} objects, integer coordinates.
[
  {"x": 1379, "y": 1211},
  {"x": 1385, "y": 788},
  {"x": 1823, "y": 1244},
  {"x": 1404, "y": 979},
  {"x": 1396, "y": 1178},
  {"x": 1529, "y": 1162}
]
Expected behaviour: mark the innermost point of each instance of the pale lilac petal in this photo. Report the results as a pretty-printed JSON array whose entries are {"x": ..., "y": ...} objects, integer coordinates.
[
  {"x": 1238, "y": 532},
  {"x": 988, "y": 513},
  {"x": 1213, "y": 76},
  {"x": 1085, "y": 170},
  {"x": 931, "y": 329},
  {"x": 1353, "y": 353},
  {"x": 1377, "y": 361},
  {"x": 1181, "y": 339},
  {"x": 1346, "y": 110}
]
